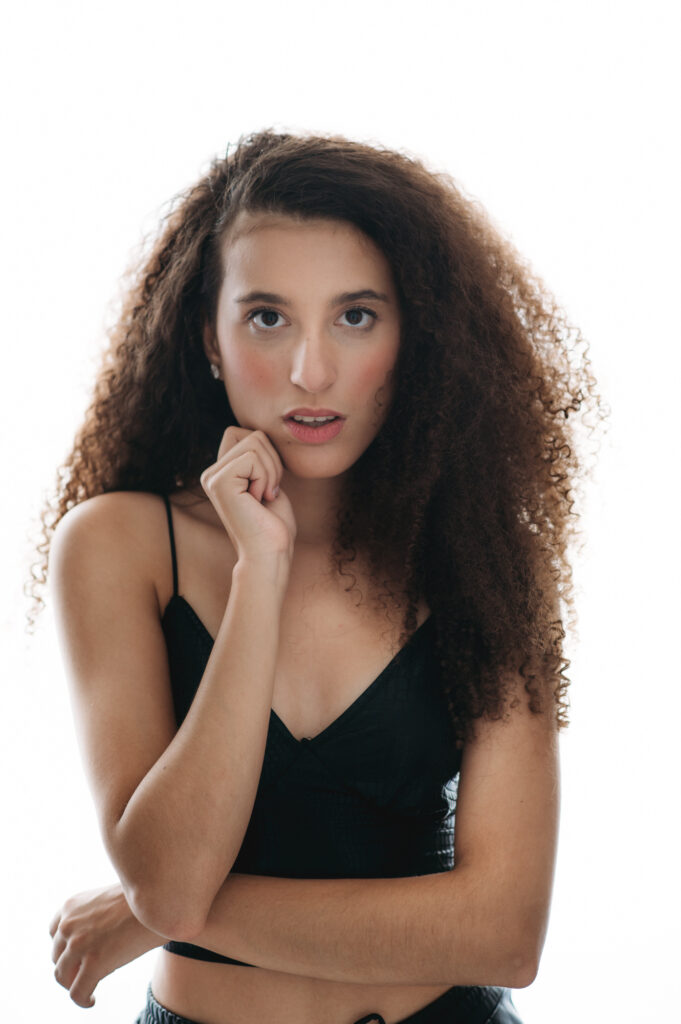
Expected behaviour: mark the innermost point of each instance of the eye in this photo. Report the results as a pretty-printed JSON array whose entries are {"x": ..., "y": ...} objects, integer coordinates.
[
  {"x": 267, "y": 314},
  {"x": 355, "y": 314}
]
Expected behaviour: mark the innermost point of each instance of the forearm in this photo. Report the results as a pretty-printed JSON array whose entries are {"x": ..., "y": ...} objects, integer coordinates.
[
  {"x": 438, "y": 929},
  {"x": 168, "y": 852}
]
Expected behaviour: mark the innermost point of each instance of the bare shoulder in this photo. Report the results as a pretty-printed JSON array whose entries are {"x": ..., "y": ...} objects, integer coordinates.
[
  {"x": 108, "y": 538},
  {"x": 111, "y": 518}
]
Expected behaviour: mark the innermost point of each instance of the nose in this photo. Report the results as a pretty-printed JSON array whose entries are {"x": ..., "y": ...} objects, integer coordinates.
[{"x": 313, "y": 365}]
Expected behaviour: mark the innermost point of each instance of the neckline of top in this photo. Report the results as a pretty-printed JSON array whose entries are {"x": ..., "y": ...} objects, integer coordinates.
[{"x": 358, "y": 702}]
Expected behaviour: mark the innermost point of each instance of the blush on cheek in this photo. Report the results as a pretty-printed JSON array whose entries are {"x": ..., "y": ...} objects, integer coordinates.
[
  {"x": 250, "y": 370},
  {"x": 251, "y": 383},
  {"x": 372, "y": 375}
]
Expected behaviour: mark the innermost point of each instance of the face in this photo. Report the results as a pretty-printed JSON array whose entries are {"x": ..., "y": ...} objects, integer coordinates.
[{"x": 307, "y": 323}]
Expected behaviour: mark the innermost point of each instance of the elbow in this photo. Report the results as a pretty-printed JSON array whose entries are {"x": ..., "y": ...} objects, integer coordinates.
[
  {"x": 523, "y": 959},
  {"x": 522, "y": 971},
  {"x": 167, "y": 917},
  {"x": 526, "y": 931},
  {"x": 165, "y": 898}
]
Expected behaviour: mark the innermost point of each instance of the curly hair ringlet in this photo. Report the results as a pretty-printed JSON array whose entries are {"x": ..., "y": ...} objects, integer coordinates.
[{"x": 466, "y": 496}]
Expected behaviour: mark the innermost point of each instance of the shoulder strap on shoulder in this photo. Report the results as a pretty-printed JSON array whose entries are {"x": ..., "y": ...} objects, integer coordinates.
[{"x": 172, "y": 543}]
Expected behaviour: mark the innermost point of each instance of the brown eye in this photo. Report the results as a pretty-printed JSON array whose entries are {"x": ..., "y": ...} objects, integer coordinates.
[
  {"x": 355, "y": 315},
  {"x": 269, "y": 318}
]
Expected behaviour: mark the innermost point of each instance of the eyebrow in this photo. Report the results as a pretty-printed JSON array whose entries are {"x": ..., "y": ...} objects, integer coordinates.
[{"x": 279, "y": 300}]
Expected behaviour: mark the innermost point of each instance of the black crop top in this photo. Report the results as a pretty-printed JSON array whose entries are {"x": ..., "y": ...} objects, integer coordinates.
[{"x": 371, "y": 796}]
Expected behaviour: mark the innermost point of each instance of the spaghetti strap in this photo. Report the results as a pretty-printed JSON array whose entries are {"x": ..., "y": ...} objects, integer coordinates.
[{"x": 172, "y": 543}]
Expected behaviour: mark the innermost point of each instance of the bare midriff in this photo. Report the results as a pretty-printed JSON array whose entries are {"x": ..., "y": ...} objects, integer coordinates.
[{"x": 228, "y": 994}]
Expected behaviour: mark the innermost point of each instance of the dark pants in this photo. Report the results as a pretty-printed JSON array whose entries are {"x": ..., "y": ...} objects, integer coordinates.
[{"x": 458, "y": 1005}]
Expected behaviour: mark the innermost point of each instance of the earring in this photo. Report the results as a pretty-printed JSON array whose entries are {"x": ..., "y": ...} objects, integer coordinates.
[{"x": 215, "y": 370}]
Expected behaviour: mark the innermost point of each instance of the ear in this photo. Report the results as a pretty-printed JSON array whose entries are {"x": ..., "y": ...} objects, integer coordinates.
[{"x": 210, "y": 345}]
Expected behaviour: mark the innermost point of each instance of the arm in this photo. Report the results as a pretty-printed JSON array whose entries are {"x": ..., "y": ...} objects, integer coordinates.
[
  {"x": 160, "y": 790},
  {"x": 481, "y": 923},
  {"x": 484, "y": 922}
]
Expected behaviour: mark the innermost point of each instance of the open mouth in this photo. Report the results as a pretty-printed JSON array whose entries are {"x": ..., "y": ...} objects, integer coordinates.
[
  {"x": 309, "y": 421},
  {"x": 315, "y": 430}
]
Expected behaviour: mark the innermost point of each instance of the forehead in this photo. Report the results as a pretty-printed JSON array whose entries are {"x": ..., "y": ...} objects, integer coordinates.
[{"x": 283, "y": 245}]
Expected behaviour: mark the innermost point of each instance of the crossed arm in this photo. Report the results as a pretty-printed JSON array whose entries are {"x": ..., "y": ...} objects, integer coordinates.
[
  {"x": 160, "y": 790},
  {"x": 484, "y": 922}
]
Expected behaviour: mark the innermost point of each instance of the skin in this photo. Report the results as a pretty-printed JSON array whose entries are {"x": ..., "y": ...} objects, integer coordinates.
[
  {"x": 318, "y": 353},
  {"x": 386, "y": 945}
]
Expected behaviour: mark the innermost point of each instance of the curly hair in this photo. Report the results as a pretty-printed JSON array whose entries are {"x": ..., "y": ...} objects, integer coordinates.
[{"x": 466, "y": 497}]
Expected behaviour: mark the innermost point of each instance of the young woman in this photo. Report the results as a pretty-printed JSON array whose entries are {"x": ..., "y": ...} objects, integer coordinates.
[{"x": 311, "y": 550}]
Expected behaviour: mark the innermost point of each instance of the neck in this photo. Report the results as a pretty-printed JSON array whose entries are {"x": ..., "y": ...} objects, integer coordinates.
[{"x": 314, "y": 503}]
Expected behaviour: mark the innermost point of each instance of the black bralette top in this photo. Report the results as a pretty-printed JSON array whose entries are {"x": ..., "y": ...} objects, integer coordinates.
[{"x": 372, "y": 795}]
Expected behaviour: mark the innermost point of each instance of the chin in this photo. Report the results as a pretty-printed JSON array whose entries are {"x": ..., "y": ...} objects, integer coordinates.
[{"x": 321, "y": 468}]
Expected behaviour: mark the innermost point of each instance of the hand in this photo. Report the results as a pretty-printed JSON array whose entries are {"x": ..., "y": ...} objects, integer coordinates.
[
  {"x": 243, "y": 487},
  {"x": 95, "y": 932}
]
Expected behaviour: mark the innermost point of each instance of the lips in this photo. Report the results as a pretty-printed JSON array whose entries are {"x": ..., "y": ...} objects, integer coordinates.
[
  {"x": 311, "y": 433},
  {"x": 313, "y": 412}
]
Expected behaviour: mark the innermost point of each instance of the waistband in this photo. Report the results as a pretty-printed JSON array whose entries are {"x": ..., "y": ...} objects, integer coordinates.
[{"x": 471, "y": 1004}]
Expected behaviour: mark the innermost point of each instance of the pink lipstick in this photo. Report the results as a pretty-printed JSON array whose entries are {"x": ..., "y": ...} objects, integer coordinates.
[{"x": 330, "y": 425}]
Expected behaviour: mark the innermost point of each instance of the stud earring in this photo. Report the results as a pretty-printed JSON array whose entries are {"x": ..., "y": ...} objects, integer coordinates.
[{"x": 215, "y": 370}]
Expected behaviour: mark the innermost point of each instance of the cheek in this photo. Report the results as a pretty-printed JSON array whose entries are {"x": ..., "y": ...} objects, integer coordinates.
[
  {"x": 249, "y": 370},
  {"x": 373, "y": 373}
]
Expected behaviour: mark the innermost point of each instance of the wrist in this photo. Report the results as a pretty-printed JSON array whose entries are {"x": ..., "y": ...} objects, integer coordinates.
[{"x": 271, "y": 572}]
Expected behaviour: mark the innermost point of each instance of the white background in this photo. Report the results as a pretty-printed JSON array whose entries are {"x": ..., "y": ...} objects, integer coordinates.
[{"x": 559, "y": 117}]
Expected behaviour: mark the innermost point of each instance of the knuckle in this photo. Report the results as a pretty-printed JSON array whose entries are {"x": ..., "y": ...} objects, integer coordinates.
[
  {"x": 232, "y": 435},
  {"x": 264, "y": 439},
  {"x": 258, "y": 437},
  {"x": 248, "y": 457}
]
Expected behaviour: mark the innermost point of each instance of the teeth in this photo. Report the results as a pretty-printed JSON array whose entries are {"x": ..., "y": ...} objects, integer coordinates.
[{"x": 313, "y": 419}]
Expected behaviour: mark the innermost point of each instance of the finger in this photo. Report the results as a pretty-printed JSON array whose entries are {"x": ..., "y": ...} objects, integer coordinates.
[
  {"x": 54, "y": 923},
  {"x": 271, "y": 449},
  {"x": 231, "y": 437},
  {"x": 255, "y": 441},
  {"x": 245, "y": 469},
  {"x": 66, "y": 969},
  {"x": 230, "y": 447},
  {"x": 246, "y": 442},
  {"x": 84, "y": 985},
  {"x": 259, "y": 440},
  {"x": 249, "y": 469},
  {"x": 271, "y": 463},
  {"x": 58, "y": 947}
]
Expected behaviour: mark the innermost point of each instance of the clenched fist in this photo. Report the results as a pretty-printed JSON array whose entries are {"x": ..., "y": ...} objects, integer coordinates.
[{"x": 243, "y": 487}]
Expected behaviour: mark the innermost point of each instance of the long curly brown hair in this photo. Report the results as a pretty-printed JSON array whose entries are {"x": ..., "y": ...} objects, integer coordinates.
[{"x": 469, "y": 486}]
